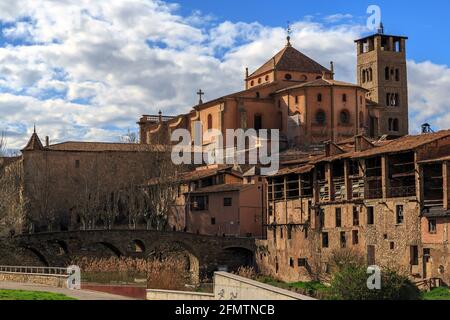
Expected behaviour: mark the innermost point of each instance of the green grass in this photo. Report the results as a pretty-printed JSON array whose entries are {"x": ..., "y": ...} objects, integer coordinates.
[
  {"x": 310, "y": 288},
  {"x": 437, "y": 294},
  {"x": 31, "y": 295}
]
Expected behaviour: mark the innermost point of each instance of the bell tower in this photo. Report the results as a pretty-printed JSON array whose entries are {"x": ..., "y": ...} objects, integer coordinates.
[{"x": 381, "y": 69}]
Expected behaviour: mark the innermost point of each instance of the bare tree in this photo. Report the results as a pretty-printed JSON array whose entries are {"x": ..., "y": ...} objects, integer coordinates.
[
  {"x": 129, "y": 137},
  {"x": 12, "y": 201}
]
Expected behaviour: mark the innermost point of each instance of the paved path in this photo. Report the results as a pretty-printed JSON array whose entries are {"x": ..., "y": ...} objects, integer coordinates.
[{"x": 77, "y": 294}]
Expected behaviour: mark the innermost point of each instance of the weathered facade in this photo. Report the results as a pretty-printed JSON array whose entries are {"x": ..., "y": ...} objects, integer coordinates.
[
  {"x": 75, "y": 185},
  {"x": 380, "y": 198},
  {"x": 293, "y": 93}
]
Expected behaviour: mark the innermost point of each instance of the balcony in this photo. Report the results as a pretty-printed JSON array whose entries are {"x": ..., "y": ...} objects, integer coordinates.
[
  {"x": 403, "y": 191},
  {"x": 340, "y": 193}
]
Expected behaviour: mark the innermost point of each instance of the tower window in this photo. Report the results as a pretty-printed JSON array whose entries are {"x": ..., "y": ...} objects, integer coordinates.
[
  {"x": 386, "y": 73},
  {"x": 320, "y": 117},
  {"x": 209, "y": 122},
  {"x": 344, "y": 117},
  {"x": 395, "y": 126},
  {"x": 267, "y": 78},
  {"x": 259, "y": 80},
  {"x": 399, "y": 214},
  {"x": 252, "y": 83},
  {"x": 319, "y": 97},
  {"x": 258, "y": 122},
  {"x": 364, "y": 72},
  {"x": 344, "y": 98},
  {"x": 397, "y": 75},
  {"x": 288, "y": 76}
]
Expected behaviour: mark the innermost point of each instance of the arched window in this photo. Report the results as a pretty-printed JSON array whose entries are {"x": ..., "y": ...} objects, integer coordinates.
[
  {"x": 344, "y": 98},
  {"x": 364, "y": 76},
  {"x": 397, "y": 75},
  {"x": 209, "y": 121},
  {"x": 252, "y": 83},
  {"x": 267, "y": 78},
  {"x": 388, "y": 99},
  {"x": 319, "y": 97},
  {"x": 257, "y": 122},
  {"x": 303, "y": 78},
  {"x": 395, "y": 125},
  {"x": 288, "y": 76},
  {"x": 370, "y": 75},
  {"x": 390, "y": 124},
  {"x": 344, "y": 117},
  {"x": 259, "y": 80},
  {"x": 386, "y": 73},
  {"x": 321, "y": 117}
]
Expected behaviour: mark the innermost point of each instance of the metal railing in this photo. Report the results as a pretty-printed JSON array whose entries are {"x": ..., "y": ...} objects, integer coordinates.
[{"x": 35, "y": 270}]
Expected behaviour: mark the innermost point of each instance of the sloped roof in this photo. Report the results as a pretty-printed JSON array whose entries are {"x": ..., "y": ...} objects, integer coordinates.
[
  {"x": 205, "y": 173},
  {"x": 321, "y": 83},
  {"x": 34, "y": 143},
  {"x": 104, "y": 146},
  {"x": 221, "y": 188},
  {"x": 404, "y": 143},
  {"x": 290, "y": 59}
]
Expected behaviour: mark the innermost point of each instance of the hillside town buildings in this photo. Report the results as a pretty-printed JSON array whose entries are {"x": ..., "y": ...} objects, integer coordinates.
[{"x": 351, "y": 176}]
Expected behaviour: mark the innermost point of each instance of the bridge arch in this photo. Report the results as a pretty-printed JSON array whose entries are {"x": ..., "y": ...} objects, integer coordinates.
[
  {"x": 103, "y": 247},
  {"x": 37, "y": 254},
  {"x": 235, "y": 256}
]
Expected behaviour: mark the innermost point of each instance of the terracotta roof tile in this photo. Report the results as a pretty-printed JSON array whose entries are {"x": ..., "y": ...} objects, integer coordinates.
[
  {"x": 34, "y": 143},
  {"x": 320, "y": 83},
  {"x": 104, "y": 146},
  {"x": 290, "y": 59},
  {"x": 221, "y": 188}
]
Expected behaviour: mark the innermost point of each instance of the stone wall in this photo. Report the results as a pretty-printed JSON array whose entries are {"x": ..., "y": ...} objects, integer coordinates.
[{"x": 59, "y": 281}]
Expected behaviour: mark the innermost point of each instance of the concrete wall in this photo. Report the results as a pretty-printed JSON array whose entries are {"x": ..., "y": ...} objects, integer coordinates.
[
  {"x": 228, "y": 286},
  {"x": 59, "y": 281}
]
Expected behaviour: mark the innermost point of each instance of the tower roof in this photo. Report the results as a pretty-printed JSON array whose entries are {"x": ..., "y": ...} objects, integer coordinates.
[
  {"x": 34, "y": 143},
  {"x": 290, "y": 59}
]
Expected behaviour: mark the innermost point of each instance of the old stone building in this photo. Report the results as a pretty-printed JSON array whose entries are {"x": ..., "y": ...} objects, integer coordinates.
[
  {"x": 76, "y": 185},
  {"x": 387, "y": 200},
  {"x": 293, "y": 93},
  {"x": 220, "y": 200}
]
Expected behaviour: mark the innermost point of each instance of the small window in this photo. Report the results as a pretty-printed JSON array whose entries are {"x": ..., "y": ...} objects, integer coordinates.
[
  {"x": 355, "y": 237},
  {"x": 291, "y": 262},
  {"x": 395, "y": 125},
  {"x": 213, "y": 221},
  {"x": 344, "y": 117},
  {"x": 227, "y": 202},
  {"x": 267, "y": 78},
  {"x": 281, "y": 233},
  {"x": 209, "y": 121},
  {"x": 324, "y": 239},
  {"x": 343, "y": 239},
  {"x": 338, "y": 217},
  {"x": 296, "y": 99},
  {"x": 199, "y": 203},
  {"x": 370, "y": 216},
  {"x": 259, "y": 80},
  {"x": 392, "y": 245},
  {"x": 258, "y": 95},
  {"x": 414, "y": 255},
  {"x": 320, "y": 117},
  {"x": 386, "y": 73},
  {"x": 344, "y": 98},
  {"x": 288, "y": 76},
  {"x": 432, "y": 226},
  {"x": 355, "y": 216},
  {"x": 397, "y": 75},
  {"x": 77, "y": 164},
  {"x": 301, "y": 262},
  {"x": 252, "y": 83},
  {"x": 289, "y": 232},
  {"x": 258, "y": 122},
  {"x": 319, "y": 97},
  {"x": 399, "y": 214}
]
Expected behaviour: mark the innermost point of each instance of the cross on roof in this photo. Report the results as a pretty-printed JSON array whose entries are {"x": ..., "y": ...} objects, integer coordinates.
[
  {"x": 200, "y": 94},
  {"x": 289, "y": 32}
]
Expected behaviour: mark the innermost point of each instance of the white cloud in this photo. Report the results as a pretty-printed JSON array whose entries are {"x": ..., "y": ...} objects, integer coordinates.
[{"x": 88, "y": 69}]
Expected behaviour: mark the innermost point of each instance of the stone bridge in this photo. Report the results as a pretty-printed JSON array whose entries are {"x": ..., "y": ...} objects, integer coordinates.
[{"x": 204, "y": 254}]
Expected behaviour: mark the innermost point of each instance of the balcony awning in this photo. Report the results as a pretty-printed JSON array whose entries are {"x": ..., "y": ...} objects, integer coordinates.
[{"x": 435, "y": 212}]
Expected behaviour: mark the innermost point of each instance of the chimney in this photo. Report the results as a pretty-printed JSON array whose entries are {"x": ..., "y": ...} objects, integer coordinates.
[
  {"x": 246, "y": 73},
  {"x": 47, "y": 141},
  {"x": 160, "y": 116},
  {"x": 332, "y": 69}
]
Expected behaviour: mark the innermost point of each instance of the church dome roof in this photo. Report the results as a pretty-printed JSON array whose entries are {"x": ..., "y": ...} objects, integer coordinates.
[{"x": 290, "y": 59}]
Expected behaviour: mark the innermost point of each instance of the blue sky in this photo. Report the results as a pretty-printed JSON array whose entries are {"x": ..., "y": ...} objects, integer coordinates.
[
  {"x": 426, "y": 23},
  {"x": 87, "y": 69}
]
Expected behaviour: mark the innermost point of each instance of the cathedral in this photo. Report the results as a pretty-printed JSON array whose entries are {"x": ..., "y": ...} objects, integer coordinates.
[{"x": 300, "y": 97}]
